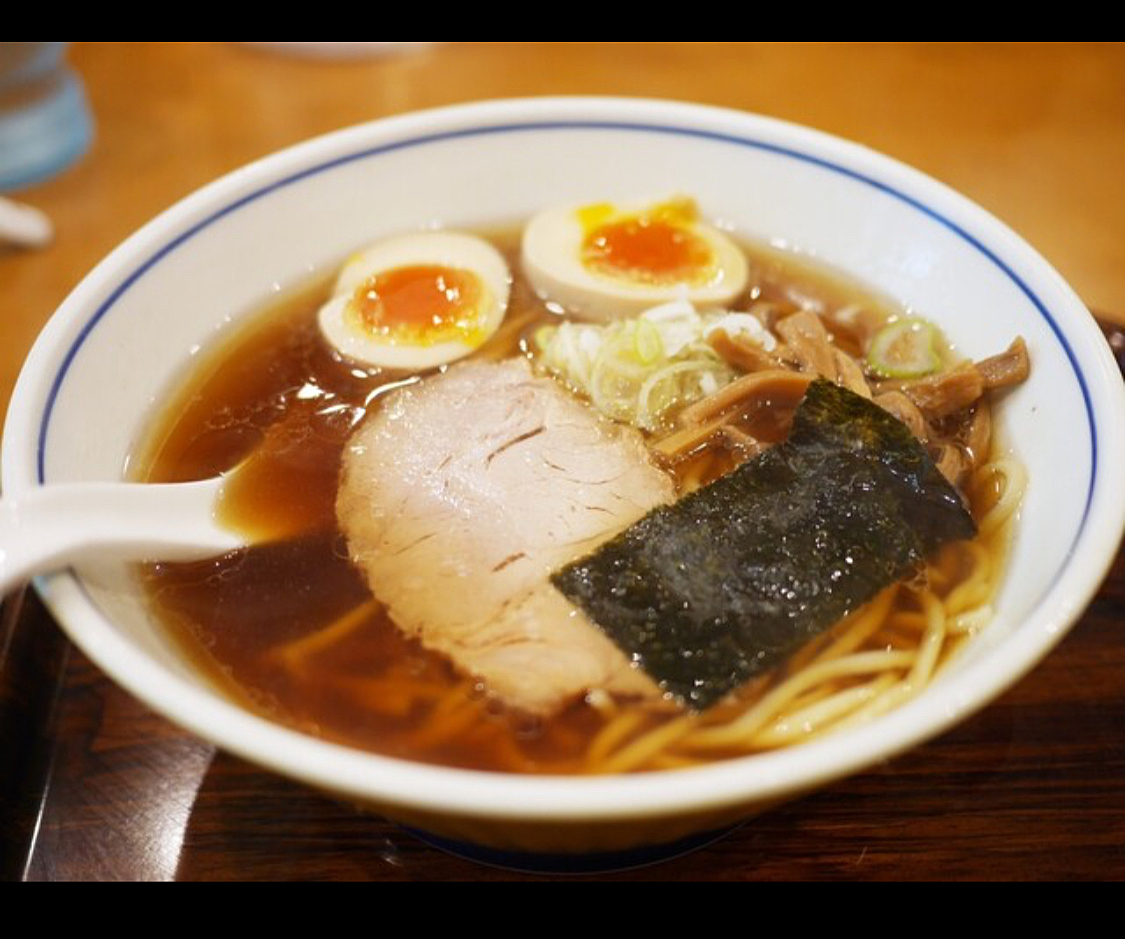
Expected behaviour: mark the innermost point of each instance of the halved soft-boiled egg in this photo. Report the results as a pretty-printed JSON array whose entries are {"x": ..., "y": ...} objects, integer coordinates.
[
  {"x": 418, "y": 301},
  {"x": 604, "y": 262}
]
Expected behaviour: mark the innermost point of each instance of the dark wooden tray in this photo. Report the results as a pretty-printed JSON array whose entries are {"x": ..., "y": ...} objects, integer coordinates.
[{"x": 93, "y": 786}]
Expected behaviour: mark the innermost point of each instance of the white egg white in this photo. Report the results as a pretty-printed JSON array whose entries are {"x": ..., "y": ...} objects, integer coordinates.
[
  {"x": 552, "y": 260},
  {"x": 441, "y": 249}
]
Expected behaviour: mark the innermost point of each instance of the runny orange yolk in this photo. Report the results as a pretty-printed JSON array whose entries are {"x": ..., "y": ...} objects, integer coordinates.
[
  {"x": 649, "y": 249},
  {"x": 420, "y": 304}
]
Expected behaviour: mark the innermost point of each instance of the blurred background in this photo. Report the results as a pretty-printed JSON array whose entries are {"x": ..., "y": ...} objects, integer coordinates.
[{"x": 1034, "y": 131}]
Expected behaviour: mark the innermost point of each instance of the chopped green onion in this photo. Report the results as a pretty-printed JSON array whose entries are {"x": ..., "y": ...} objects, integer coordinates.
[
  {"x": 647, "y": 344},
  {"x": 639, "y": 371},
  {"x": 908, "y": 348},
  {"x": 544, "y": 336}
]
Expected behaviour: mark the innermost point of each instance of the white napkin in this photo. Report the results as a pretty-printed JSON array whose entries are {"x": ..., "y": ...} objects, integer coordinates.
[{"x": 24, "y": 226}]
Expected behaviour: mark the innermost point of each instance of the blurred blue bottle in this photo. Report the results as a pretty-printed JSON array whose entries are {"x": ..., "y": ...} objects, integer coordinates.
[{"x": 45, "y": 123}]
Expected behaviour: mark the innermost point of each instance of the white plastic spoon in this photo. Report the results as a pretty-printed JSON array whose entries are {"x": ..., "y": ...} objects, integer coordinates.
[{"x": 56, "y": 526}]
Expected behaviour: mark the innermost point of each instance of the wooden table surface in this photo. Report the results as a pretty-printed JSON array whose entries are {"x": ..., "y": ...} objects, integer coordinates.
[{"x": 93, "y": 786}]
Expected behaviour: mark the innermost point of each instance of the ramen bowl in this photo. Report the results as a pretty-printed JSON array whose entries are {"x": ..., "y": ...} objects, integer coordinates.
[{"x": 97, "y": 377}]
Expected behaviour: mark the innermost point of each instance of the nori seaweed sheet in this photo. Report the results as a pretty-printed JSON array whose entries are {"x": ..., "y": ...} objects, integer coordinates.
[{"x": 733, "y": 579}]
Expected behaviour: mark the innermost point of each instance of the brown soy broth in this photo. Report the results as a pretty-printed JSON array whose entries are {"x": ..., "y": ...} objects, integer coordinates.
[
  {"x": 290, "y": 628},
  {"x": 277, "y": 398}
]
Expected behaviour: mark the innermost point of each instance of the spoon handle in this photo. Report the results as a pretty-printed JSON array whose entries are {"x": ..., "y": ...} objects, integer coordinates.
[{"x": 55, "y": 526}]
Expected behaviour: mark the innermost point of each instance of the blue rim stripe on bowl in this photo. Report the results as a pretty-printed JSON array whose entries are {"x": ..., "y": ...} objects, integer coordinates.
[{"x": 428, "y": 139}]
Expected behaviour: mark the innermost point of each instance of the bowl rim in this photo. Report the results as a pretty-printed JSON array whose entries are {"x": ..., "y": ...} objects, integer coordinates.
[{"x": 763, "y": 777}]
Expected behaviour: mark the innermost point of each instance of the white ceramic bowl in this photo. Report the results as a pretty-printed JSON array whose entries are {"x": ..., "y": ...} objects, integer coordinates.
[{"x": 134, "y": 324}]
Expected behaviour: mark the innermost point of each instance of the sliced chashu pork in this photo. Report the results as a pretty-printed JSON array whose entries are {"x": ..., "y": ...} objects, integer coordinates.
[{"x": 464, "y": 493}]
